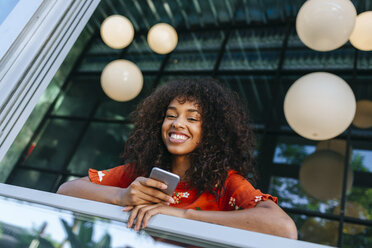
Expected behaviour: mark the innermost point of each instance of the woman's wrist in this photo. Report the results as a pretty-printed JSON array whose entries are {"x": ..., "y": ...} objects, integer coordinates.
[
  {"x": 189, "y": 214},
  {"x": 119, "y": 197}
]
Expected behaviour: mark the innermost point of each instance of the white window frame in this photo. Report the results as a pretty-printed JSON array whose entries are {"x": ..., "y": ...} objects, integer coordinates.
[{"x": 34, "y": 56}]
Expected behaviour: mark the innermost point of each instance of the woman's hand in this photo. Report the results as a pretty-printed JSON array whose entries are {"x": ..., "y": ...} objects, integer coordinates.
[
  {"x": 142, "y": 213},
  {"x": 144, "y": 191}
]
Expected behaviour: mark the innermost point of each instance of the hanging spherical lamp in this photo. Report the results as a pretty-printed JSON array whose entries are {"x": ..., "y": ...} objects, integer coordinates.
[
  {"x": 363, "y": 114},
  {"x": 162, "y": 38},
  {"x": 121, "y": 80},
  {"x": 319, "y": 106},
  {"x": 325, "y": 25},
  {"x": 117, "y": 31},
  {"x": 361, "y": 37},
  {"x": 321, "y": 175}
]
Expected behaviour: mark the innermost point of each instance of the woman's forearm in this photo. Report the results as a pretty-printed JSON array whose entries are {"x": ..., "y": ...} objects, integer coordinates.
[
  {"x": 266, "y": 217},
  {"x": 83, "y": 188}
]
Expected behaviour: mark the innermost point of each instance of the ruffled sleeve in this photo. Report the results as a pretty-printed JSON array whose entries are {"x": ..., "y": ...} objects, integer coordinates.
[
  {"x": 240, "y": 194},
  {"x": 120, "y": 176}
]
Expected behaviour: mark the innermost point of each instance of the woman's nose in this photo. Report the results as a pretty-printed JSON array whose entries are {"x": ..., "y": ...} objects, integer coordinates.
[{"x": 178, "y": 123}]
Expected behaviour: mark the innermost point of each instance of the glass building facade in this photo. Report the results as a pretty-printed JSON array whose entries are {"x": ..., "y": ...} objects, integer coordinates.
[{"x": 252, "y": 47}]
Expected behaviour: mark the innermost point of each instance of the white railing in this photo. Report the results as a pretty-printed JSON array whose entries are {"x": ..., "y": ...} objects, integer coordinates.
[{"x": 173, "y": 228}]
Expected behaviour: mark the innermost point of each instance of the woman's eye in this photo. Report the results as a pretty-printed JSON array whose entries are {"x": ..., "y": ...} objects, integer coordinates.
[
  {"x": 171, "y": 116},
  {"x": 192, "y": 119}
]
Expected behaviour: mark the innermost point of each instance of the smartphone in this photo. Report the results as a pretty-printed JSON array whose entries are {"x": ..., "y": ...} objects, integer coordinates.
[{"x": 166, "y": 177}]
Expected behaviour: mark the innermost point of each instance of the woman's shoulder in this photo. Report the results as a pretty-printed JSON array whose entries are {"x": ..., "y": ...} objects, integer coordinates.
[{"x": 235, "y": 179}]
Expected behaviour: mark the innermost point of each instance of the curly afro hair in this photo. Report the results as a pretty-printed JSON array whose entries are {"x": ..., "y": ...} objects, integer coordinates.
[{"x": 226, "y": 143}]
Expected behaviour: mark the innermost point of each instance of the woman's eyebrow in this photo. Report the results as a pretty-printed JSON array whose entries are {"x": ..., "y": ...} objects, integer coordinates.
[{"x": 193, "y": 110}]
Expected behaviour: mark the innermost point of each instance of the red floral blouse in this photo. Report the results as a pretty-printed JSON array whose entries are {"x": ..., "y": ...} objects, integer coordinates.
[{"x": 239, "y": 193}]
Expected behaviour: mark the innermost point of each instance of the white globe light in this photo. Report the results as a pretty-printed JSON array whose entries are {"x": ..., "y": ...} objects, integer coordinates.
[
  {"x": 361, "y": 37},
  {"x": 117, "y": 31},
  {"x": 325, "y": 25},
  {"x": 162, "y": 38},
  {"x": 322, "y": 173},
  {"x": 319, "y": 106},
  {"x": 336, "y": 145},
  {"x": 363, "y": 115},
  {"x": 121, "y": 80}
]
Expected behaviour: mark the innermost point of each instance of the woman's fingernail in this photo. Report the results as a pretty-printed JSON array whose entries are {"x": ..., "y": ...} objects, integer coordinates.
[
  {"x": 164, "y": 186},
  {"x": 171, "y": 200}
]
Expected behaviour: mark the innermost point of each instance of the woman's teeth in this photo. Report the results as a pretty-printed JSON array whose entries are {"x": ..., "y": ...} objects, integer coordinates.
[{"x": 178, "y": 137}]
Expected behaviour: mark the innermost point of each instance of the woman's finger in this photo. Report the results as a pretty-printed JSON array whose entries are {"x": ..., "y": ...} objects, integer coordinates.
[
  {"x": 141, "y": 214},
  {"x": 151, "y": 195},
  {"x": 156, "y": 195},
  {"x": 149, "y": 182},
  {"x": 127, "y": 208},
  {"x": 149, "y": 214},
  {"x": 133, "y": 215}
]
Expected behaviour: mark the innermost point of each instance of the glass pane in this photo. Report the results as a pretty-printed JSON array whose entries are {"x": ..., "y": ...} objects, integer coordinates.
[
  {"x": 200, "y": 41},
  {"x": 96, "y": 63},
  {"x": 242, "y": 39},
  {"x": 291, "y": 195},
  {"x": 110, "y": 109},
  {"x": 80, "y": 97},
  {"x": 294, "y": 40},
  {"x": 146, "y": 62},
  {"x": 255, "y": 91},
  {"x": 293, "y": 150},
  {"x": 342, "y": 58},
  {"x": 55, "y": 144},
  {"x": 292, "y": 153},
  {"x": 33, "y": 225},
  {"x": 250, "y": 60},
  {"x": 139, "y": 45},
  {"x": 100, "y": 148},
  {"x": 98, "y": 47},
  {"x": 192, "y": 61},
  {"x": 357, "y": 236},
  {"x": 361, "y": 152},
  {"x": 359, "y": 203},
  {"x": 362, "y": 89},
  {"x": 34, "y": 179},
  {"x": 364, "y": 60},
  {"x": 316, "y": 230}
]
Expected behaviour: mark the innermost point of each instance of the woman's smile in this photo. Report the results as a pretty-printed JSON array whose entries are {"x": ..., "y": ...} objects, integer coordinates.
[{"x": 177, "y": 137}]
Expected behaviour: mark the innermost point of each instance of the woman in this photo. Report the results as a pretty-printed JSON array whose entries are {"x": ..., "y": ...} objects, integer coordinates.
[{"x": 198, "y": 130}]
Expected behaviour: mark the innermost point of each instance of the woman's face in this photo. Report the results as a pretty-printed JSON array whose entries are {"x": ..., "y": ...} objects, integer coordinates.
[{"x": 182, "y": 127}]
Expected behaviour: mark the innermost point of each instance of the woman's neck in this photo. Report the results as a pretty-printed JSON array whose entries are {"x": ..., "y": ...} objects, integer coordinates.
[{"x": 180, "y": 165}]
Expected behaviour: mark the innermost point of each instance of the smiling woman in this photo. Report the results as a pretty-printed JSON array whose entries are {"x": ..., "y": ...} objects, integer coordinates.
[{"x": 200, "y": 131}]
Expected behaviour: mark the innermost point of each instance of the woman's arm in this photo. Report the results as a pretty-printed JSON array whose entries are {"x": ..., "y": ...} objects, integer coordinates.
[
  {"x": 266, "y": 217},
  {"x": 140, "y": 191}
]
